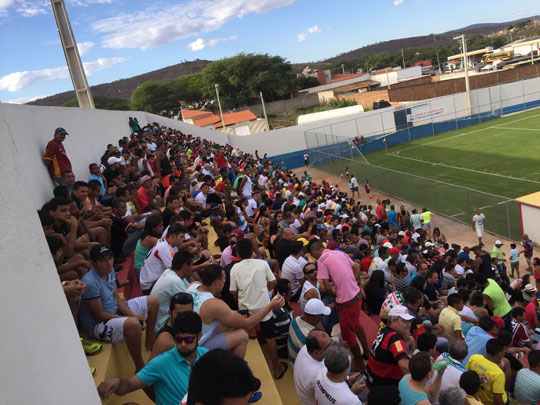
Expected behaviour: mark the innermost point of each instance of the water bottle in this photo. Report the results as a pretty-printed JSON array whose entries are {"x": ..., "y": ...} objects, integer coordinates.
[{"x": 440, "y": 364}]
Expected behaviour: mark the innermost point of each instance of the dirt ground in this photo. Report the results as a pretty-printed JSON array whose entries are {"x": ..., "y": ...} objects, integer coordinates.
[{"x": 455, "y": 232}]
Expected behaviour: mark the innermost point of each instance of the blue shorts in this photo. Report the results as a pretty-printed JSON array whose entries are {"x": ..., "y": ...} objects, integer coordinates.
[{"x": 216, "y": 342}]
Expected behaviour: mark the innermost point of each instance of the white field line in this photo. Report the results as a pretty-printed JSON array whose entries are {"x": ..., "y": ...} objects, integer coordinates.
[
  {"x": 480, "y": 208},
  {"x": 462, "y": 168},
  {"x": 519, "y": 129},
  {"x": 467, "y": 133}
]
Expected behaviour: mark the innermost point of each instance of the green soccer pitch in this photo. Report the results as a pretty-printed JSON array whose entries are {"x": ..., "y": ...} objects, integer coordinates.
[{"x": 499, "y": 157}]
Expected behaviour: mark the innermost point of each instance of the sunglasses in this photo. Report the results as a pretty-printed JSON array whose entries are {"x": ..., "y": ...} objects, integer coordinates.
[
  {"x": 189, "y": 340},
  {"x": 310, "y": 271}
]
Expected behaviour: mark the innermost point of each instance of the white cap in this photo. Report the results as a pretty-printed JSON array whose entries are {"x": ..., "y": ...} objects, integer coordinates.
[
  {"x": 428, "y": 244},
  {"x": 529, "y": 288},
  {"x": 402, "y": 312},
  {"x": 344, "y": 216},
  {"x": 498, "y": 242},
  {"x": 316, "y": 307},
  {"x": 388, "y": 245},
  {"x": 113, "y": 159}
]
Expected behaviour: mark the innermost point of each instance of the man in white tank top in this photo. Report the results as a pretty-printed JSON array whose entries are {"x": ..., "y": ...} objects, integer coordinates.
[{"x": 310, "y": 288}]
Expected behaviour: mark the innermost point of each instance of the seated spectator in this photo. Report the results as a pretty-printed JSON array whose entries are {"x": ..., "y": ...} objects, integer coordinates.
[
  {"x": 64, "y": 224},
  {"x": 457, "y": 352},
  {"x": 292, "y": 269},
  {"x": 470, "y": 382},
  {"x": 310, "y": 288},
  {"x": 223, "y": 327},
  {"x": 106, "y": 316},
  {"x": 308, "y": 363},
  {"x": 153, "y": 228},
  {"x": 375, "y": 292},
  {"x": 147, "y": 200},
  {"x": 332, "y": 386},
  {"x": 124, "y": 234},
  {"x": 479, "y": 335},
  {"x": 171, "y": 208},
  {"x": 426, "y": 342},
  {"x": 232, "y": 381},
  {"x": 180, "y": 302},
  {"x": 73, "y": 268},
  {"x": 449, "y": 318},
  {"x": 527, "y": 386},
  {"x": 172, "y": 281},
  {"x": 169, "y": 372},
  {"x": 520, "y": 332},
  {"x": 303, "y": 324},
  {"x": 160, "y": 257},
  {"x": 452, "y": 396},
  {"x": 492, "y": 390},
  {"x": 388, "y": 360},
  {"x": 413, "y": 387}
]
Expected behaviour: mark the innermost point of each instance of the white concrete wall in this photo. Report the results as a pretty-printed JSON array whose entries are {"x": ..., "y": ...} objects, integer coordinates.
[
  {"x": 530, "y": 218},
  {"x": 41, "y": 357}
]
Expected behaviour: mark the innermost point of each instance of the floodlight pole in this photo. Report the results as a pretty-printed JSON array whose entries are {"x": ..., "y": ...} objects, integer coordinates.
[
  {"x": 71, "y": 52},
  {"x": 466, "y": 65},
  {"x": 219, "y": 105},
  {"x": 264, "y": 111}
]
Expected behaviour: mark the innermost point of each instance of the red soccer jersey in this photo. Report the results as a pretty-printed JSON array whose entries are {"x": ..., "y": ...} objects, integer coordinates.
[
  {"x": 388, "y": 348},
  {"x": 56, "y": 153}
]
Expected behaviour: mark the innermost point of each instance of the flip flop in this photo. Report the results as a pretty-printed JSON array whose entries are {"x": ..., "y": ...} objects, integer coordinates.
[
  {"x": 284, "y": 368},
  {"x": 255, "y": 397}
]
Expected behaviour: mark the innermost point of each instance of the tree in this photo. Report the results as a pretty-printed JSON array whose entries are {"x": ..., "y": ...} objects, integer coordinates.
[
  {"x": 102, "y": 103},
  {"x": 242, "y": 77},
  {"x": 190, "y": 87},
  {"x": 156, "y": 95}
]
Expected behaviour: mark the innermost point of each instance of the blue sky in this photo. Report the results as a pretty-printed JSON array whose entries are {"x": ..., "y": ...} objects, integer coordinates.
[{"x": 123, "y": 38}]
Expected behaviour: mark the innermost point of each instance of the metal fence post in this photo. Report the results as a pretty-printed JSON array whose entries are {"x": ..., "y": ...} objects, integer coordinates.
[
  {"x": 467, "y": 206},
  {"x": 387, "y": 182},
  {"x": 409, "y": 187},
  {"x": 508, "y": 221}
]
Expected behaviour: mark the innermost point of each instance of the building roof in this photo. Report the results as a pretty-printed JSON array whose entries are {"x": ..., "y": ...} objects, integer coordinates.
[
  {"x": 470, "y": 53},
  {"x": 530, "y": 199},
  {"x": 204, "y": 121},
  {"x": 344, "y": 76},
  {"x": 235, "y": 118},
  {"x": 331, "y": 86},
  {"x": 187, "y": 114},
  {"x": 423, "y": 63}
]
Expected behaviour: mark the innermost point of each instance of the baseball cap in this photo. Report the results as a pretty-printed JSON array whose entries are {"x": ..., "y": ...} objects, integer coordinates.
[
  {"x": 113, "y": 160},
  {"x": 401, "y": 233},
  {"x": 394, "y": 250},
  {"x": 304, "y": 241},
  {"x": 402, "y": 312},
  {"x": 498, "y": 321},
  {"x": 388, "y": 245},
  {"x": 529, "y": 288},
  {"x": 316, "y": 307},
  {"x": 60, "y": 130},
  {"x": 428, "y": 244},
  {"x": 344, "y": 216},
  {"x": 145, "y": 178},
  {"x": 236, "y": 234},
  {"x": 498, "y": 242},
  {"x": 99, "y": 252}
]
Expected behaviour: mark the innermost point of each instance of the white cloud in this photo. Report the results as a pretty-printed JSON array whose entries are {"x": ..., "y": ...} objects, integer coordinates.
[
  {"x": 26, "y": 99},
  {"x": 31, "y": 8},
  {"x": 311, "y": 30},
  {"x": 398, "y": 2},
  {"x": 20, "y": 80},
  {"x": 519, "y": 14},
  {"x": 84, "y": 47},
  {"x": 200, "y": 43},
  {"x": 155, "y": 26}
]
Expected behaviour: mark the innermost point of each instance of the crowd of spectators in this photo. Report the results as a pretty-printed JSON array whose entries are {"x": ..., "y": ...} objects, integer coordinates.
[{"x": 299, "y": 262}]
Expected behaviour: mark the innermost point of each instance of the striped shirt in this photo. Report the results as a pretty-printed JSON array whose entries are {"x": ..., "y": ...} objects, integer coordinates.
[
  {"x": 298, "y": 331},
  {"x": 527, "y": 388}
]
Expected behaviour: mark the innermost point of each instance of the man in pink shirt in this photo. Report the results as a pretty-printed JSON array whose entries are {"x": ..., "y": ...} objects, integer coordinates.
[{"x": 336, "y": 265}]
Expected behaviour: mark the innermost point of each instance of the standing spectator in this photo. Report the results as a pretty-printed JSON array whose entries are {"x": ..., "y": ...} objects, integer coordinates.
[
  {"x": 306, "y": 158},
  {"x": 493, "y": 386},
  {"x": 478, "y": 225},
  {"x": 169, "y": 372},
  {"x": 527, "y": 386},
  {"x": 308, "y": 363},
  {"x": 416, "y": 220},
  {"x": 527, "y": 250},
  {"x": 495, "y": 299},
  {"x": 427, "y": 220},
  {"x": 292, "y": 269},
  {"x": 367, "y": 187},
  {"x": 514, "y": 260},
  {"x": 55, "y": 157},
  {"x": 332, "y": 386},
  {"x": 388, "y": 361},
  {"x": 337, "y": 265},
  {"x": 354, "y": 186}
]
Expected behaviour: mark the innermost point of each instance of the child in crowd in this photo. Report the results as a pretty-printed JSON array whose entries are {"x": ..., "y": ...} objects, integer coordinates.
[{"x": 514, "y": 259}]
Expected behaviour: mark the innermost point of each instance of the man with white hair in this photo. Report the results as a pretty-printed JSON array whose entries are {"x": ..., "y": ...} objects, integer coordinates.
[{"x": 452, "y": 396}]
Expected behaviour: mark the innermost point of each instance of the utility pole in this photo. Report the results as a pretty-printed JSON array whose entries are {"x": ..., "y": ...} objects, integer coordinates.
[
  {"x": 466, "y": 65},
  {"x": 438, "y": 62},
  {"x": 343, "y": 68},
  {"x": 403, "y": 58},
  {"x": 264, "y": 111},
  {"x": 71, "y": 52},
  {"x": 219, "y": 105}
]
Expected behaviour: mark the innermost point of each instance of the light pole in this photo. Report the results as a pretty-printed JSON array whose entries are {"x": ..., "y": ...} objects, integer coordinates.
[
  {"x": 219, "y": 105},
  {"x": 466, "y": 65},
  {"x": 403, "y": 58},
  {"x": 264, "y": 111}
]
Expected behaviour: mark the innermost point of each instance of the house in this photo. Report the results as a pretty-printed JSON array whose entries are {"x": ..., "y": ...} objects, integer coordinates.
[
  {"x": 347, "y": 85},
  {"x": 240, "y": 122}
]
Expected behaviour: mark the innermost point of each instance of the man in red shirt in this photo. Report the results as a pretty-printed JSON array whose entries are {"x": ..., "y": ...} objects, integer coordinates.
[
  {"x": 388, "y": 361},
  {"x": 55, "y": 157},
  {"x": 146, "y": 194}
]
